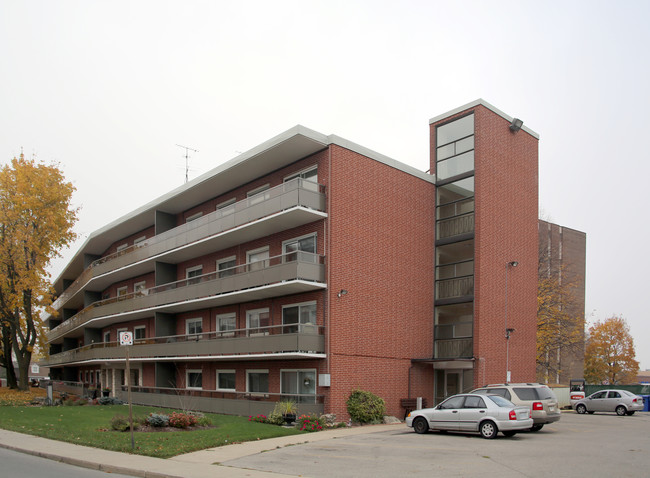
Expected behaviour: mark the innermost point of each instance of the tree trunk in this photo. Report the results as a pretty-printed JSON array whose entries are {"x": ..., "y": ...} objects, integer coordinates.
[
  {"x": 6, "y": 361},
  {"x": 23, "y": 360}
]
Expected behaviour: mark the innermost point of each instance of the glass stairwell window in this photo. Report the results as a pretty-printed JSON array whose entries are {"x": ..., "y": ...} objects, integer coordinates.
[{"x": 455, "y": 209}]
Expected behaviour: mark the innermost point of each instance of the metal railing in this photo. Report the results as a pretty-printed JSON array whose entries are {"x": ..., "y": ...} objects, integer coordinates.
[
  {"x": 255, "y": 271},
  {"x": 457, "y": 287},
  {"x": 235, "y": 215},
  {"x": 453, "y": 331},
  {"x": 455, "y": 226},
  {"x": 455, "y": 348}
]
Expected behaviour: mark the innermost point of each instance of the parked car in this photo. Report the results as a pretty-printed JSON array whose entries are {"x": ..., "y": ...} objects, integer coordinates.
[
  {"x": 620, "y": 401},
  {"x": 540, "y": 399},
  {"x": 469, "y": 412}
]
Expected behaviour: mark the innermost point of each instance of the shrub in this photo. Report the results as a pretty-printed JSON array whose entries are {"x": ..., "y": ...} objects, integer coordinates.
[
  {"x": 158, "y": 420},
  {"x": 309, "y": 423},
  {"x": 203, "y": 421},
  {"x": 121, "y": 423},
  {"x": 274, "y": 418},
  {"x": 109, "y": 401},
  {"x": 182, "y": 420},
  {"x": 365, "y": 407}
]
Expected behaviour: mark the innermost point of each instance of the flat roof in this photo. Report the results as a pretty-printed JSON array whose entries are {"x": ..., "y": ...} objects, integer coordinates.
[{"x": 489, "y": 106}]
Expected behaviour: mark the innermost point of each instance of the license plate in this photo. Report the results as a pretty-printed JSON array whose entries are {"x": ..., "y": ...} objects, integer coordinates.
[{"x": 551, "y": 409}]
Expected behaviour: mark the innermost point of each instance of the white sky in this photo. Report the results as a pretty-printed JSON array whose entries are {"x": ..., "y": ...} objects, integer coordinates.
[{"x": 107, "y": 88}]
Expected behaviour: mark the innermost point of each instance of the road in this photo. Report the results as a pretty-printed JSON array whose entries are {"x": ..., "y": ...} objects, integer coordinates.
[
  {"x": 14, "y": 464},
  {"x": 578, "y": 445}
]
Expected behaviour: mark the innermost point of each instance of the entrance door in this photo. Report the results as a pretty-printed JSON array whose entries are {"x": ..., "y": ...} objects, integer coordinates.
[{"x": 453, "y": 383}]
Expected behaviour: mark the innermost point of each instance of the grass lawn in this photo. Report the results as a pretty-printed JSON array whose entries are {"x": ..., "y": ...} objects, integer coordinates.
[{"x": 83, "y": 425}]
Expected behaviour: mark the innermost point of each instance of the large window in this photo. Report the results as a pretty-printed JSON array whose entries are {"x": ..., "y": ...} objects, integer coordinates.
[
  {"x": 226, "y": 324},
  {"x": 193, "y": 217},
  {"x": 298, "y": 315},
  {"x": 302, "y": 248},
  {"x": 257, "y": 381},
  {"x": 226, "y": 380},
  {"x": 455, "y": 148},
  {"x": 300, "y": 385},
  {"x": 257, "y": 321},
  {"x": 226, "y": 207},
  {"x": 122, "y": 291},
  {"x": 194, "y": 379},
  {"x": 139, "y": 332},
  {"x": 193, "y": 273}
]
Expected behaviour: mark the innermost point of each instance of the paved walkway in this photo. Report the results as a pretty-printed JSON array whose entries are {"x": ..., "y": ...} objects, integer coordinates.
[{"x": 199, "y": 464}]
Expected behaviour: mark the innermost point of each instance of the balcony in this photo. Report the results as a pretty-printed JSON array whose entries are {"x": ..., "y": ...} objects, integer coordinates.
[
  {"x": 298, "y": 339},
  {"x": 455, "y": 226},
  {"x": 455, "y": 288},
  {"x": 455, "y": 348},
  {"x": 280, "y": 275},
  {"x": 286, "y": 206},
  {"x": 453, "y": 331}
]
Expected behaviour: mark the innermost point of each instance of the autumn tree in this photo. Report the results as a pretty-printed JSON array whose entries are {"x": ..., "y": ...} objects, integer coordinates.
[
  {"x": 560, "y": 318},
  {"x": 610, "y": 354},
  {"x": 36, "y": 220}
]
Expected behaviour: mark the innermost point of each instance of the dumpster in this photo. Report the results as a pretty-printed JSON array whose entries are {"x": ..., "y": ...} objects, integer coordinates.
[{"x": 646, "y": 403}]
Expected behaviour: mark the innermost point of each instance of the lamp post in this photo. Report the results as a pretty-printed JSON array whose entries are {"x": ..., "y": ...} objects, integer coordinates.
[{"x": 509, "y": 330}]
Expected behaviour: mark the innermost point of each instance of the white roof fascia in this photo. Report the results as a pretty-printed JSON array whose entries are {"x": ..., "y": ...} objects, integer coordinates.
[{"x": 482, "y": 102}]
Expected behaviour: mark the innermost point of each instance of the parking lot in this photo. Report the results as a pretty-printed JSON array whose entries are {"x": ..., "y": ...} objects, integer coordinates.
[{"x": 578, "y": 445}]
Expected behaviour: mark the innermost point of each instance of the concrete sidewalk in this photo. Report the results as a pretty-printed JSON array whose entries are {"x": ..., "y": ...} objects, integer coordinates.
[{"x": 199, "y": 464}]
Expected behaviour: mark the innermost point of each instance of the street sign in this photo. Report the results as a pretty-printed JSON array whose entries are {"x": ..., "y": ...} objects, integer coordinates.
[{"x": 126, "y": 338}]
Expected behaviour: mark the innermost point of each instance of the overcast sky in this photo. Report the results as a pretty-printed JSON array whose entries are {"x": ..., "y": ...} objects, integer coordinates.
[{"x": 108, "y": 88}]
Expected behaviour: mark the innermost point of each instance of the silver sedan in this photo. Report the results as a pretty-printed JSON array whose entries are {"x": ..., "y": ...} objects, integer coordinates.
[
  {"x": 470, "y": 412},
  {"x": 620, "y": 401}
]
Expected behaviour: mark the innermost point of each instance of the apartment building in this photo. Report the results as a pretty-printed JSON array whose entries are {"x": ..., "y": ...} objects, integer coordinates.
[
  {"x": 310, "y": 266},
  {"x": 563, "y": 256}
]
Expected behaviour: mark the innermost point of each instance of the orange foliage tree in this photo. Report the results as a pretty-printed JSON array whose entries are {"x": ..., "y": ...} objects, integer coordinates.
[
  {"x": 610, "y": 354},
  {"x": 36, "y": 220}
]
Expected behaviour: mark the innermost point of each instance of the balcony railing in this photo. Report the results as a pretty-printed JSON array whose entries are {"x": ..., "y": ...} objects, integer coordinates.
[
  {"x": 295, "y": 193},
  {"x": 455, "y": 226},
  {"x": 453, "y": 331},
  {"x": 456, "y": 348},
  {"x": 284, "y": 338},
  {"x": 457, "y": 287},
  {"x": 279, "y": 269}
]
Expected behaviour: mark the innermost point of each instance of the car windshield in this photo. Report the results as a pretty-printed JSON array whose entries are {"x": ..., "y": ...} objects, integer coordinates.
[
  {"x": 534, "y": 393},
  {"x": 500, "y": 401}
]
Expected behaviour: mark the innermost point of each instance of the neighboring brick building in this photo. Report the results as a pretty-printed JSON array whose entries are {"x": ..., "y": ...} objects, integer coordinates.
[
  {"x": 562, "y": 253},
  {"x": 311, "y": 266}
]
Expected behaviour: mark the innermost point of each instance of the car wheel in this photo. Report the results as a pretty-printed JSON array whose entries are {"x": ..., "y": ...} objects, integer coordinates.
[
  {"x": 620, "y": 410},
  {"x": 488, "y": 429},
  {"x": 420, "y": 425},
  {"x": 631, "y": 413},
  {"x": 509, "y": 433},
  {"x": 536, "y": 428},
  {"x": 581, "y": 409}
]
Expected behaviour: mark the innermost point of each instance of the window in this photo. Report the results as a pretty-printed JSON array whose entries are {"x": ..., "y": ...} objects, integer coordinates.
[
  {"x": 107, "y": 337},
  {"x": 455, "y": 148},
  {"x": 35, "y": 369},
  {"x": 194, "y": 379},
  {"x": 121, "y": 247},
  {"x": 600, "y": 395},
  {"x": 226, "y": 324},
  {"x": 139, "y": 332},
  {"x": 193, "y": 326},
  {"x": 303, "y": 249},
  {"x": 193, "y": 217},
  {"x": 258, "y": 259},
  {"x": 299, "y": 384},
  {"x": 293, "y": 316},
  {"x": 257, "y": 321},
  {"x": 452, "y": 403},
  {"x": 614, "y": 395},
  {"x": 474, "y": 402},
  {"x": 122, "y": 291},
  {"x": 191, "y": 272},
  {"x": 226, "y": 267},
  {"x": 257, "y": 381},
  {"x": 138, "y": 240},
  {"x": 226, "y": 380},
  {"x": 258, "y": 195},
  {"x": 502, "y": 392},
  {"x": 138, "y": 286},
  {"x": 226, "y": 207},
  {"x": 309, "y": 177}
]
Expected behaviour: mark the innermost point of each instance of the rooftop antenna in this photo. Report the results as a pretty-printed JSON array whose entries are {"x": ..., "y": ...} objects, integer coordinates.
[{"x": 187, "y": 158}]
